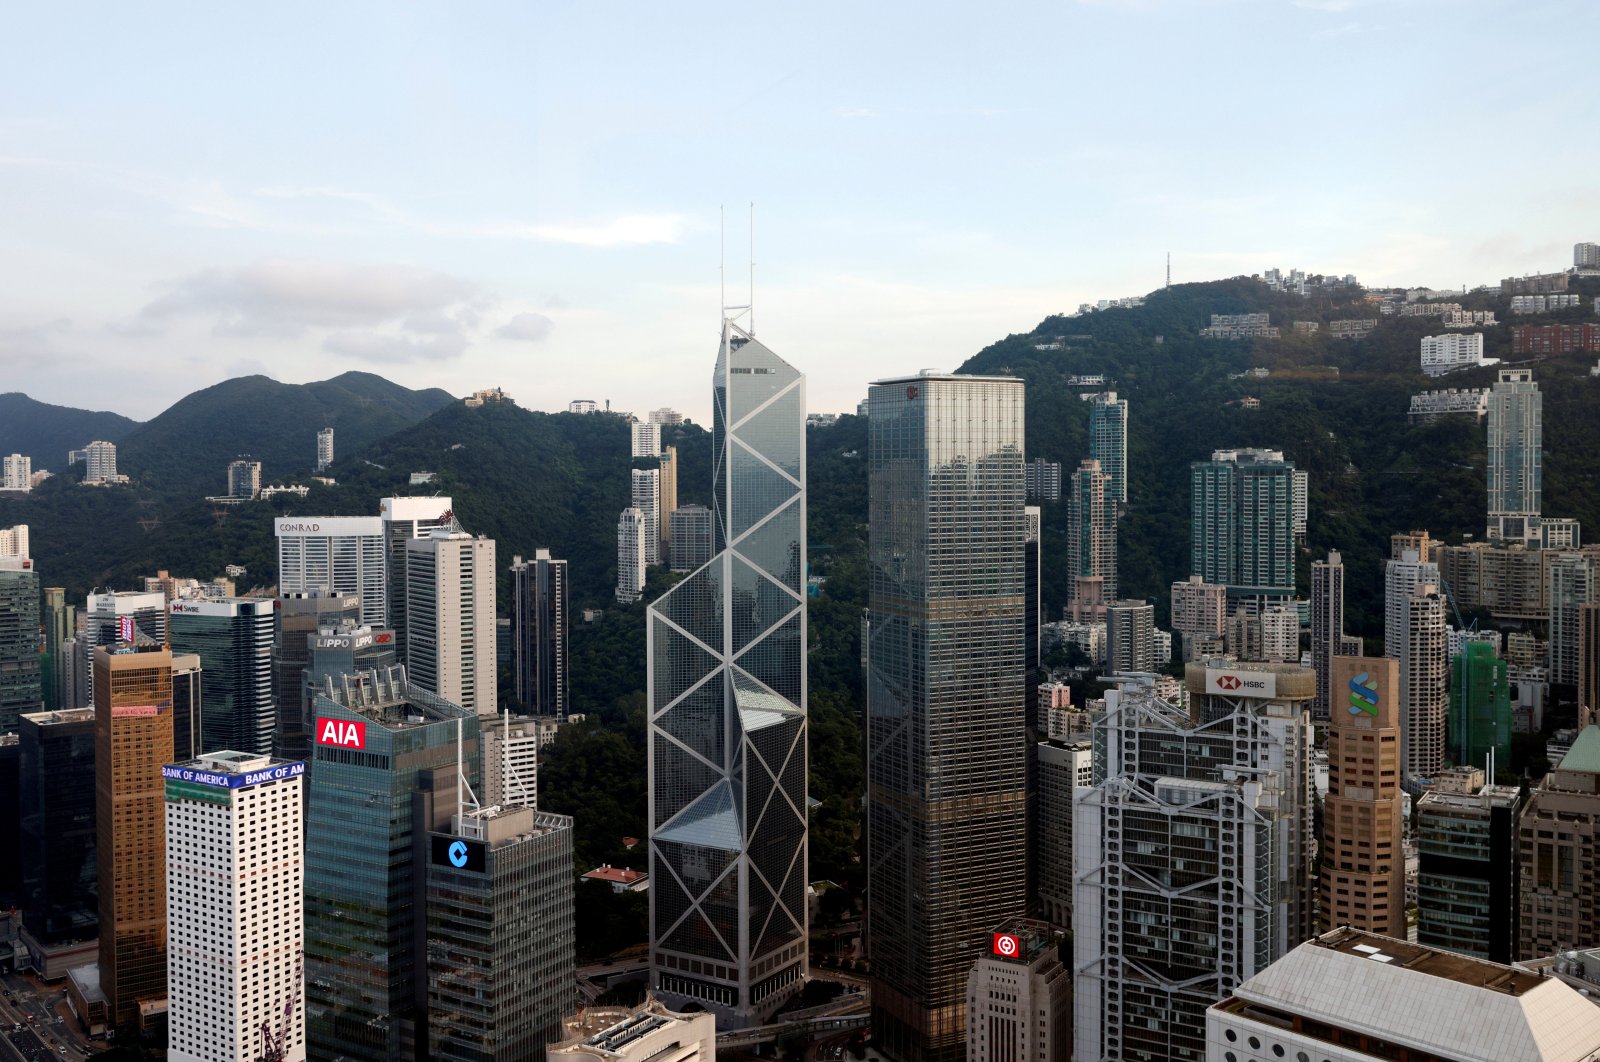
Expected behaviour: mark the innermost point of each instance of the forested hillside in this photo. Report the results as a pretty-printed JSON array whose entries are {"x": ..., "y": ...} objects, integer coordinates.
[{"x": 45, "y": 432}]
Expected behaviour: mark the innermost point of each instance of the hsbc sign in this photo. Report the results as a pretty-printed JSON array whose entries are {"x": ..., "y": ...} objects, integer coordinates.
[
  {"x": 342, "y": 733},
  {"x": 1232, "y": 683}
]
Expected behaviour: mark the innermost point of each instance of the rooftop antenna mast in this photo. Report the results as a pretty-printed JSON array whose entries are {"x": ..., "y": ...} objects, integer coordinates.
[
  {"x": 1169, "y": 269},
  {"x": 733, "y": 313}
]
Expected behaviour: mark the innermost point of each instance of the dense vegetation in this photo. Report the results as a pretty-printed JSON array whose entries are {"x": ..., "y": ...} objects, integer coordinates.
[{"x": 45, "y": 432}]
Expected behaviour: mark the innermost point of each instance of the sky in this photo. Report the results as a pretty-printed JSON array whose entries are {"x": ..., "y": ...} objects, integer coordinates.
[{"x": 532, "y": 195}]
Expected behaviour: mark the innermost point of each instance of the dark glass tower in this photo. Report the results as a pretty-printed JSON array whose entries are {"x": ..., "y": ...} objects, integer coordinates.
[
  {"x": 233, "y": 637},
  {"x": 21, "y": 679},
  {"x": 539, "y": 634},
  {"x": 727, "y": 694},
  {"x": 945, "y": 687}
]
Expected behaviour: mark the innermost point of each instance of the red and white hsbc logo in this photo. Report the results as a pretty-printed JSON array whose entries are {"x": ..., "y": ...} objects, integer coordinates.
[
  {"x": 1228, "y": 682},
  {"x": 1007, "y": 945},
  {"x": 342, "y": 733},
  {"x": 1242, "y": 683}
]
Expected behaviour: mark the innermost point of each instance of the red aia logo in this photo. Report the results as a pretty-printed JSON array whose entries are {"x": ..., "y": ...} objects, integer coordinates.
[
  {"x": 1007, "y": 945},
  {"x": 912, "y": 392},
  {"x": 1228, "y": 682},
  {"x": 342, "y": 733}
]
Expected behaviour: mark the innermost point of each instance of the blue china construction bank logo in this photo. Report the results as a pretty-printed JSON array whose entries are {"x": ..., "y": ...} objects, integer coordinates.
[
  {"x": 1364, "y": 695},
  {"x": 458, "y": 854}
]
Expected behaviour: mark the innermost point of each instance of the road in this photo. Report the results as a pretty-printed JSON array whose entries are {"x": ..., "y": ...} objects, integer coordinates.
[{"x": 51, "y": 1028}]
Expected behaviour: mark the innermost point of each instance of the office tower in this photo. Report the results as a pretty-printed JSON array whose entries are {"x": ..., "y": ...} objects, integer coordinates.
[
  {"x": 1516, "y": 455},
  {"x": 380, "y": 750},
  {"x": 60, "y": 905},
  {"x": 335, "y": 652},
  {"x": 21, "y": 673},
  {"x": 234, "y": 638},
  {"x": 1424, "y": 700},
  {"x": 1467, "y": 871},
  {"x": 646, "y": 439},
  {"x": 188, "y": 706},
  {"x": 1557, "y": 834},
  {"x": 1570, "y": 584},
  {"x": 1064, "y": 768},
  {"x": 667, "y": 502},
  {"x": 647, "y": 499},
  {"x": 405, "y": 519},
  {"x": 234, "y": 883},
  {"x": 1130, "y": 637},
  {"x": 450, "y": 601},
  {"x": 1327, "y": 626},
  {"x": 1402, "y": 574},
  {"x": 302, "y": 616},
  {"x": 727, "y": 695},
  {"x": 60, "y": 626},
  {"x": 16, "y": 472},
  {"x": 1042, "y": 479},
  {"x": 1193, "y": 853},
  {"x": 1019, "y": 997},
  {"x": 1242, "y": 522},
  {"x": 1108, "y": 443},
  {"x": 1363, "y": 864},
  {"x": 1588, "y": 664},
  {"x": 691, "y": 537},
  {"x": 632, "y": 528},
  {"x": 1480, "y": 708},
  {"x": 1199, "y": 612},
  {"x": 1353, "y": 996},
  {"x": 539, "y": 594},
  {"x": 133, "y": 741},
  {"x": 501, "y": 952},
  {"x": 120, "y": 616},
  {"x": 324, "y": 449},
  {"x": 1033, "y": 559},
  {"x": 335, "y": 555},
  {"x": 651, "y": 1033},
  {"x": 100, "y": 463},
  {"x": 1092, "y": 530},
  {"x": 946, "y": 755},
  {"x": 244, "y": 478}
]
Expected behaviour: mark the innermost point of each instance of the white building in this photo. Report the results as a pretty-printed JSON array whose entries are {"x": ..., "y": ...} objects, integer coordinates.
[
  {"x": 650, "y": 1034},
  {"x": 1457, "y": 350},
  {"x": 1468, "y": 318},
  {"x": 1586, "y": 256},
  {"x": 647, "y": 499},
  {"x": 632, "y": 532},
  {"x": 100, "y": 463},
  {"x": 122, "y": 616},
  {"x": 646, "y": 438},
  {"x": 1280, "y": 634},
  {"x": 235, "y": 877},
  {"x": 1454, "y": 400},
  {"x": 14, "y": 543},
  {"x": 337, "y": 554},
  {"x": 16, "y": 472},
  {"x": 450, "y": 612},
  {"x": 665, "y": 417},
  {"x": 1130, "y": 637},
  {"x": 1019, "y": 998},
  {"x": 324, "y": 448},
  {"x": 583, "y": 405},
  {"x": 1346, "y": 988},
  {"x": 1424, "y": 677},
  {"x": 511, "y": 760}
]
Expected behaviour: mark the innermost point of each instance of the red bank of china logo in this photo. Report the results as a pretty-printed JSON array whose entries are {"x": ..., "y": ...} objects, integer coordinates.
[
  {"x": 342, "y": 733},
  {"x": 1228, "y": 682},
  {"x": 1008, "y": 945}
]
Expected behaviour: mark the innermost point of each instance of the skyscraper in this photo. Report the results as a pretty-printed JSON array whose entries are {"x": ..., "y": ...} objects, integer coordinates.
[
  {"x": 21, "y": 672},
  {"x": 122, "y": 616},
  {"x": 405, "y": 519},
  {"x": 60, "y": 625},
  {"x": 100, "y": 463},
  {"x": 1363, "y": 865},
  {"x": 691, "y": 537},
  {"x": 946, "y": 786},
  {"x": 1092, "y": 531},
  {"x": 1516, "y": 456},
  {"x": 1424, "y": 700},
  {"x": 540, "y": 683},
  {"x": 1480, "y": 707},
  {"x": 60, "y": 908},
  {"x": 727, "y": 693},
  {"x": 1327, "y": 625},
  {"x": 1557, "y": 834},
  {"x": 335, "y": 555},
  {"x": 188, "y": 706},
  {"x": 647, "y": 499},
  {"x": 1242, "y": 506},
  {"x": 450, "y": 602},
  {"x": 1570, "y": 584},
  {"x": 667, "y": 502},
  {"x": 646, "y": 439},
  {"x": 302, "y": 615},
  {"x": 16, "y": 472},
  {"x": 631, "y": 531},
  {"x": 233, "y": 637},
  {"x": 133, "y": 741},
  {"x": 1042, "y": 479},
  {"x": 1019, "y": 997},
  {"x": 1064, "y": 768},
  {"x": 324, "y": 449},
  {"x": 234, "y": 902},
  {"x": 1588, "y": 664},
  {"x": 1033, "y": 554},
  {"x": 1108, "y": 443},
  {"x": 1467, "y": 872},
  {"x": 1130, "y": 637},
  {"x": 1407, "y": 569}
]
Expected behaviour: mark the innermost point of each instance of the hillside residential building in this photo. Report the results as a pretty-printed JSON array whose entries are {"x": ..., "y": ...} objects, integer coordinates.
[
  {"x": 1092, "y": 534},
  {"x": 1352, "y": 329},
  {"x": 324, "y": 449},
  {"x": 1199, "y": 611},
  {"x": 1555, "y": 339},
  {"x": 100, "y": 464},
  {"x": 16, "y": 472},
  {"x": 632, "y": 530},
  {"x": 647, "y": 499},
  {"x": 646, "y": 436},
  {"x": 1108, "y": 442},
  {"x": 1455, "y": 400},
  {"x": 1536, "y": 284},
  {"x": 1042, "y": 479},
  {"x": 1243, "y": 507},
  {"x": 540, "y": 681},
  {"x": 1516, "y": 456},
  {"x": 1446, "y": 353},
  {"x": 1240, "y": 326}
]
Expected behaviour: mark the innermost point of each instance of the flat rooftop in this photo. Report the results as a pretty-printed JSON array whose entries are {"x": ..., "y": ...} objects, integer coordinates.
[{"x": 1461, "y": 969}]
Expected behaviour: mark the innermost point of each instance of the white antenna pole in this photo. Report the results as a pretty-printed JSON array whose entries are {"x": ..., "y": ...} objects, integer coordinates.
[
  {"x": 752, "y": 268},
  {"x": 461, "y": 776},
  {"x": 505, "y": 751}
]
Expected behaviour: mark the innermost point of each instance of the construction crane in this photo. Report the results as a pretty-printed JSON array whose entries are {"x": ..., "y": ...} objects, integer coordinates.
[{"x": 275, "y": 1045}]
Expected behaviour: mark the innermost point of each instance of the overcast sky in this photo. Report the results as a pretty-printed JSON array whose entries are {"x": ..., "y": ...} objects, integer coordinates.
[{"x": 527, "y": 194}]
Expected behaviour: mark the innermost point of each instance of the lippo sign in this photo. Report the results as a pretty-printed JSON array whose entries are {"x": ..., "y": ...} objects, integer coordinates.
[
  {"x": 1231, "y": 683},
  {"x": 342, "y": 733},
  {"x": 276, "y": 773}
]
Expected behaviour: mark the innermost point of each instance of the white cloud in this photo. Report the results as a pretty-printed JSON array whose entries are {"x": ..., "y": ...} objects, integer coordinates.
[
  {"x": 388, "y": 347},
  {"x": 628, "y": 230},
  {"x": 528, "y": 327}
]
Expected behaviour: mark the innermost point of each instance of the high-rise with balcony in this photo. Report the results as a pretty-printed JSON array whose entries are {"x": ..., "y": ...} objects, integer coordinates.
[
  {"x": 539, "y": 596},
  {"x": 1328, "y": 639},
  {"x": 647, "y": 499},
  {"x": 726, "y": 653},
  {"x": 1092, "y": 536},
  {"x": 1424, "y": 670},
  {"x": 631, "y": 533},
  {"x": 405, "y": 519},
  {"x": 1570, "y": 584},
  {"x": 450, "y": 603},
  {"x": 1108, "y": 442},
  {"x": 324, "y": 449},
  {"x": 244, "y": 478},
  {"x": 946, "y": 785},
  {"x": 100, "y": 463},
  {"x": 1242, "y": 516},
  {"x": 16, "y": 472},
  {"x": 1516, "y": 456}
]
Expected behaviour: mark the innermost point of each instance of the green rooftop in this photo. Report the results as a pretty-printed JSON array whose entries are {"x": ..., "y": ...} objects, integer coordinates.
[{"x": 1585, "y": 753}]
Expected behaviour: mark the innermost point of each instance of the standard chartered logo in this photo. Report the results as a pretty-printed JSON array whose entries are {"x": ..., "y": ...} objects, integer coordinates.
[{"x": 1364, "y": 695}]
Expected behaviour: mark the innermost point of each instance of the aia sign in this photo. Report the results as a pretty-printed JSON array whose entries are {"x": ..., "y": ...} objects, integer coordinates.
[
  {"x": 342, "y": 733},
  {"x": 1007, "y": 945}
]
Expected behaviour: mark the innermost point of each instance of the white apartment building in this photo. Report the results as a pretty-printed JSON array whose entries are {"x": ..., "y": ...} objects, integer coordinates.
[
  {"x": 511, "y": 760},
  {"x": 1453, "y": 400},
  {"x": 1586, "y": 256},
  {"x": 1424, "y": 677},
  {"x": 1467, "y": 318},
  {"x": 1019, "y": 998},
  {"x": 100, "y": 463},
  {"x": 324, "y": 449},
  {"x": 647, "y": 499},
  {"x": 1280, "y": 634},
  {"x": 632, "y": 532},
  {"x": 235, "y": 878},
  {"x": 338, "y": 554},
  {"x": 646, "y": 438},
  {"x": 16, "y": 472},
  {"x": 14, "y": 542},
  {"x": 450, "y": 612},
  {"x": 1447, "y": 353},
  {"x": 583, "y": 405}
]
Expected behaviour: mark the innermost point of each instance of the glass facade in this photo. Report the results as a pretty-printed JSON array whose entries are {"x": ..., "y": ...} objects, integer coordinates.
[
  {"x": 539, "y": 677},
  {"x": 21, "y": 677},
  {"x": 1467, "y": 872},
  {"x": 59, "y": 895},
  {"x": 946, "y": 745},
  {"x": 1516, "y": 448},
  {"x": 727, "y": 695},
  {"x": 233, "y": 639},
  {"x": 1108, "y": 443},
  {"x": 1242, "y": 521}
]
